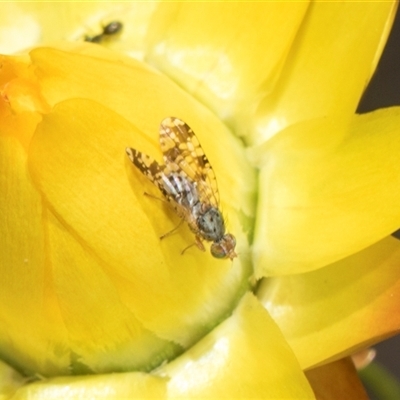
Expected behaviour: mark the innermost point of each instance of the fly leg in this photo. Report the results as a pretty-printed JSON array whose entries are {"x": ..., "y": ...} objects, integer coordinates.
[
  {"x": 172, "y": 231},
  {"x": 164, "y": 201},
  {"x": 197, "y": 243},
  {"x": 155, "y": 197}
]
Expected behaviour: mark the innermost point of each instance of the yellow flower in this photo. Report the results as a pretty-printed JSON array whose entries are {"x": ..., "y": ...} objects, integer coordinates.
[{"x": 89, "y": 289}]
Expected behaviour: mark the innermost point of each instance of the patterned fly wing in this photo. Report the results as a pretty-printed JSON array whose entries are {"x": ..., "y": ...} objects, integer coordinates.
[
  {"x": 182, "y": 152},
  {"x": 148, "y": 167}
]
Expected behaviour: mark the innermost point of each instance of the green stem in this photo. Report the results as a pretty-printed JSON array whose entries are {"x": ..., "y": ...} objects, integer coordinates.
[{"x": 380, "y": 382}]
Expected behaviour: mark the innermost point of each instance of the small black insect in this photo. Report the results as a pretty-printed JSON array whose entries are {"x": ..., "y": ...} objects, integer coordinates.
[{"x": 110, "y": 29}]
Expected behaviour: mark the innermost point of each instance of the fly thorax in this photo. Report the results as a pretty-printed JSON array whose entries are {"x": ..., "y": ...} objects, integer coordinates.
[{"x": 211, "y": 224}]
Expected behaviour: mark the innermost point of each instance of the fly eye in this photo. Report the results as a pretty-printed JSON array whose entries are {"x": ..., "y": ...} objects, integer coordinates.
[
  {"x": 225, "y": 247},
  {"x": 217, "y": 251}
]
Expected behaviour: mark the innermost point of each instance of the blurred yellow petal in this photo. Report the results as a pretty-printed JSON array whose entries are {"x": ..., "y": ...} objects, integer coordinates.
[
  {"x": 134, "y": 385},
  {"x": 10, "y": 381},
  {"x": 20, "y": 103},
  {"x": 25, "y": 24},
  {"x": 276, "y": 51},
  {"x": 227, "y": 55},
  {"x": 323, "y": 198},
  {"x": 329, "y": 64},
  {"x": 244, "y": 357},
  {"x": 332, "y": 312}
]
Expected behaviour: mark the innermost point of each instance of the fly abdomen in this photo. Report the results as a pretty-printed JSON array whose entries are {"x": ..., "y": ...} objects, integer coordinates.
[{"x": 181, "y": 190}]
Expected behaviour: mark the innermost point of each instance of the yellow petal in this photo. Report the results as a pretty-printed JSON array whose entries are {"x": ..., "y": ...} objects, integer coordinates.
[
  {"x": 111, "y": 338},
  {"x": 95, "y": 199},
  {"x": 306, "y": 61},
  {"x": 244, "y": 357},
  {"x": 94, "y": 216},
  {"x": 27, "y": 298},
  {"x": 144, "y": 98},
  {"x": 330, "y": 61},
  {"x": 134, "y": 385},
  {"x": 78, "y": 162},
  {"x": 327, "y": 190},
  {"x": 332, "y": 312},
  {"x": 235, "y": 60}
]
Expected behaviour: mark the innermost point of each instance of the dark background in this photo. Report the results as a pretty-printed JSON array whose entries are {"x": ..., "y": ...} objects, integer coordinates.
[
  {"x": 384, "y": 88},
  {"x": 384, "y": 91}
]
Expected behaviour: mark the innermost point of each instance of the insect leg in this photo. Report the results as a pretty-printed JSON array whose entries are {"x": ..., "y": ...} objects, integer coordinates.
[
  {"x": 155, "y": 197},
  {"x": 190, "y": 245},
  {"x": 172, "y": 231},
  {"x": 197, "y": 243}
]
